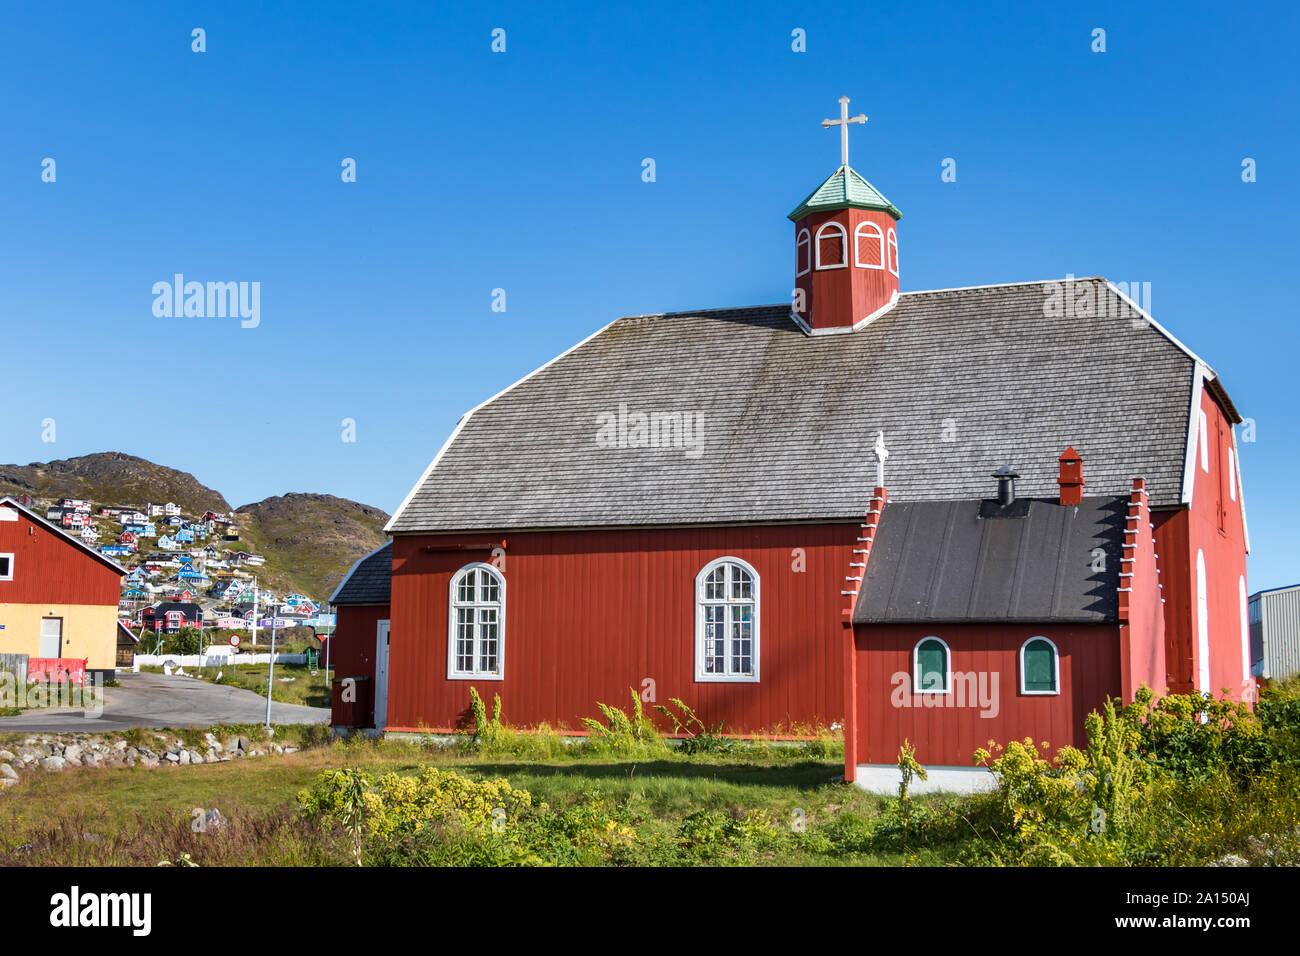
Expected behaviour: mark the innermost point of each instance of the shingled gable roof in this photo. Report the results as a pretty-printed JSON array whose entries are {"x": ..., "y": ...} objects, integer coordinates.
[
  {"x": 960, "y": 380},
  {"x": 369, "y": 581},
  {"x": 945, "y": 561}
]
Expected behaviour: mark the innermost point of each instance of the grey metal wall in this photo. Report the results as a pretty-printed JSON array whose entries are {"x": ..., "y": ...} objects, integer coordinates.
[{"x": 1279, "y": 629}]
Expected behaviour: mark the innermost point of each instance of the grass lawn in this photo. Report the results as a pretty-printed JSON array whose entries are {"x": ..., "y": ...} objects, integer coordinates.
[{"x": 128, "y": 808}]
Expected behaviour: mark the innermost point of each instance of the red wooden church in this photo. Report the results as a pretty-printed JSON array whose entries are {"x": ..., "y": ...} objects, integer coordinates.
[{"x": 789, "y": 515}]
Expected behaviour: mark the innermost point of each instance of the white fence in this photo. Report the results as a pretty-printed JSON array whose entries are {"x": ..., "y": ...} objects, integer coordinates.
[{"x": 215, "y": 657}]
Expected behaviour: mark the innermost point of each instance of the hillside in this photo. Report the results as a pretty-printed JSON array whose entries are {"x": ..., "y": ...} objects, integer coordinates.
[
  {"x": 111, "y": 478},
  {"x": 310, "y": 541}
]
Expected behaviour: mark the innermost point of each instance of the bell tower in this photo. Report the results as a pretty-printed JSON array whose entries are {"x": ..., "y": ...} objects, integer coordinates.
[{"x": 846, "y": 247}]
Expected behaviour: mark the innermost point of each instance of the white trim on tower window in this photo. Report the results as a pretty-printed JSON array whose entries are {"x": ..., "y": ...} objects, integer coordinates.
[
  {"x": 892, "y": 251},
  {"x": 476, "y": 623},
  {"x": 844, "y": 246},
  {"x": 802, "y": 253},
  {"x": 727, "y": 622},
  {"x": 868, "y": 230}
]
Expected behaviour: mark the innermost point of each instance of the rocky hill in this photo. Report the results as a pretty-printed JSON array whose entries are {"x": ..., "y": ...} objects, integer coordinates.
[
  {"x": 314, "y": 539},
  {"x": 110, "y": 478},
  {"x": 309, "y": 540}
]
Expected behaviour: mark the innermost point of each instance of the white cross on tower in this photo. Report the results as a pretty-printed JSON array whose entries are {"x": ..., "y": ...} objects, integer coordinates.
[
  {"x": 881, "y": 454},
  {"x": 843, "y": 123}
]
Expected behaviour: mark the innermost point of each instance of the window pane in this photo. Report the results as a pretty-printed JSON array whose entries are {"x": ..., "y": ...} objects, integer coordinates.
[
  {"x": 831, "y": 249},
  {"x": 488, "y": 640},
  {"x": 715, "y": 585},
  {"x": 464, "y": 639},
  {"x": 1040, "y": 667},
  {"x": 742, "y": 585},
  {"x": 932, "y": 666},
  {"x": 489, "y": 588},
  {"x": 715, "y": 639}
]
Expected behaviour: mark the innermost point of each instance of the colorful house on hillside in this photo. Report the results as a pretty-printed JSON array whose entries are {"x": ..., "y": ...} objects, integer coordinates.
[
  {"x": 58, "y": 597},
  {"x": 697, "y": 510}
]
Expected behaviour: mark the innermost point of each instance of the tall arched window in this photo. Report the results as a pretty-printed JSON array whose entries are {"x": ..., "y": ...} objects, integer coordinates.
[
  {"x": 893, "y": 252},
  {"x": 931, "y": 667},
  {"x": 832, "y": 246},
  {"x": 726, "y": 621},
  {"x": 802, "y": 253},
  {"x": 868, "y": 246},
  {"x": 1040, "y": 667},
  {"x": 475, "y": 640}
]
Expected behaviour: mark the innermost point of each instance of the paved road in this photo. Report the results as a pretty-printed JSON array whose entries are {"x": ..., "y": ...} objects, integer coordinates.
[{"x": 156, "y": 700}]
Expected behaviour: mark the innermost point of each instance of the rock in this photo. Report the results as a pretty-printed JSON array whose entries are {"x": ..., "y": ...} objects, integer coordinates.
[
  {"x": 132, "y": 752},
  {"x": 121, "y": 745},
  {"x": 291, "y": 750},
  {"x": 6, "y": 756},
  {"x": 90, "y": 760},
  {"x": 1230, "y": 860},
  {"x": 173, "y": 757},
  {"x": 8, "y": 772},
  {"x": 196, "y": 757},
  {"x": 53, "y": 763},
  {"x": 183, "y": 758},
  {"x": 279, "y": 749},
  {"x": 215, "y": 745},
  {"x": 72, "y": 753}
]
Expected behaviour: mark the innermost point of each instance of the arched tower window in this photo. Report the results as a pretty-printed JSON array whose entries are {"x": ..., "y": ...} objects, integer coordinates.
[
  {"x": 832, "y": 243},
  {"x": 893, "y": 252},
  {"x": 802, "y": 253},
  {"x": 868, "y": 246}
]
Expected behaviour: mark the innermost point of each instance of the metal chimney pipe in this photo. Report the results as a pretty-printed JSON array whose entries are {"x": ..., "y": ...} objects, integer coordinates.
[{"x": 1006, "y": 476}]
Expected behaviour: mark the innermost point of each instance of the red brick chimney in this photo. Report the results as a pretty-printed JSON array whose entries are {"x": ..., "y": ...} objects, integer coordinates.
[{"x": 1071, "y": 478}]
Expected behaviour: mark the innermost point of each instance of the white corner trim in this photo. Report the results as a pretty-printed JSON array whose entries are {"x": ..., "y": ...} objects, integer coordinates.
[
  {"x": 466, "y": 417},
  {"x": 1193, "y": 430}
]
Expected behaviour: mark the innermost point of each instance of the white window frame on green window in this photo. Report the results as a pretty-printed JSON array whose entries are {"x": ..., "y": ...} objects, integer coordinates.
[
  {"x": 1056, "y": 668},
  {"x": 916, "y": 666}
]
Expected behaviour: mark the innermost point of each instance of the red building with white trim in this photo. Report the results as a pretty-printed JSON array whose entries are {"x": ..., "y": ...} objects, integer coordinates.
[{"x": 683, "y": 504}]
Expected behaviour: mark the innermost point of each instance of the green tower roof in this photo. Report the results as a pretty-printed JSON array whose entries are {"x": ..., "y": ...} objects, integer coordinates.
[{"x": 845, "y": 189}]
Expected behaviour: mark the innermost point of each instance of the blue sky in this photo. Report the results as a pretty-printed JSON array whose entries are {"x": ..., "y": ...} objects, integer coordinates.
[{"x": 522, "y": 170}]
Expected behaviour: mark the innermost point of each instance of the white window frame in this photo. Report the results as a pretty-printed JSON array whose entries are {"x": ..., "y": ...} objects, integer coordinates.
[
  {"x": 891, "y": 252},
  {"x": 701, "y": 630},
  {"x": 1232, "y": 474},
  {"x": 844, "y": 246},
  {"x": 1202, "y": 625},
  {"x": 1056, "y": 667},
  {"x": 916, "y": 667},
  {"x": 453, "y": 672},
  {"x": 8, "y": 575},
  {"x": 802, "y": 241},
  {"x": 880, "y": 243}
]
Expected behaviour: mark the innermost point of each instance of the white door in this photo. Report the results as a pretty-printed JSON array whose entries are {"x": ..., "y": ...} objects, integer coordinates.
[
  {"x": 381, "y": 676},
  {"x": 51, "y": 637}
]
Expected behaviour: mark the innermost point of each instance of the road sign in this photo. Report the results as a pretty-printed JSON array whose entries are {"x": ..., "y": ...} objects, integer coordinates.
[{"x": 234, "y": 640}]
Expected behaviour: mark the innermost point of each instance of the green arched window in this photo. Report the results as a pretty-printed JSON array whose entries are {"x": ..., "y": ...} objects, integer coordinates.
[
  {"x": 1040, "y": 667},
  {"x": 931, "y": 667}
]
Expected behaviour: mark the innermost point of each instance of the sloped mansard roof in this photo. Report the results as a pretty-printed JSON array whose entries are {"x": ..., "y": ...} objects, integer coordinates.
[{"x": 782, "y": 424}]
